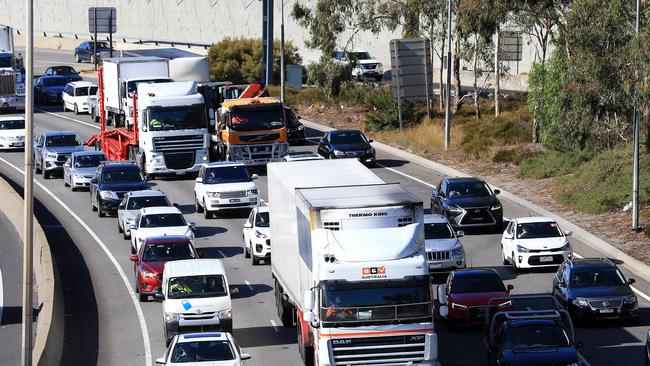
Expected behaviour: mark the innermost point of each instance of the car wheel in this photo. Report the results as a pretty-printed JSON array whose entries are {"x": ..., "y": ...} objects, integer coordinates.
[
  {"x": 92, "y": 59},
  {"x": 513, "y": 261},
  {"x": 143, "y": 298},
  {"x": 132, "y": 248},
  {"x": 100, "y": 212},
  {"x": 254, "y": 260},
  {"x": 76, "y": 109},
  {"x": 77, "y": 58},
  {"x": 46, "y": 174},
  {"x": 63, "y": 104},
  {"x": 247, "y": 253},
  {"x": 197, "y": 205},
  {"x": 37, "y": 167},
  {"x": 92, "y": 205},
  {"x": 119, "y": 228},
  {"x": 503, "y": 257},
  {"x": 126, "y": 237},
  {"x": 65, "y": 184},
  {"x": 73, "y": 189},
  {"x": 207, "y": 214}
]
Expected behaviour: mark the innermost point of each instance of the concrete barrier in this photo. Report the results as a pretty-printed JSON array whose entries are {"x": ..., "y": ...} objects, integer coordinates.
[{"x": 48, "y": 344}]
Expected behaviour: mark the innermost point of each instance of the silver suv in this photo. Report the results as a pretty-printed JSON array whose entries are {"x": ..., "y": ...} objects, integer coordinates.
[
  {"x": 445, "y": 252},
  {"x": 52, "y": 149}
]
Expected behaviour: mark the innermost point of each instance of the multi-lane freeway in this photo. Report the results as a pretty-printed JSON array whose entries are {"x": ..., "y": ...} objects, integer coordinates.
[{"x": 106, "y": 324}]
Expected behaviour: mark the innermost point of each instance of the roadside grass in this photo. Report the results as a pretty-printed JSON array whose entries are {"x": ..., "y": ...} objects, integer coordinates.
[{"x": 549, "y": 164}]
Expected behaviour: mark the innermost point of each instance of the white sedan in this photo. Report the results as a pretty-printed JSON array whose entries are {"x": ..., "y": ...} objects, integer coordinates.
[
  {"x": 159, "y": 221},
  {"x": 257, "y": 235},
  {"x": 194, "y": 349},
  {"x": 530, "y": 242},
  {"x": 12, "y": 132}
]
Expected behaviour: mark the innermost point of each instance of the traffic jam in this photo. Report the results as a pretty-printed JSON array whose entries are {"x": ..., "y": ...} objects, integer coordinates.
[{"x": 365, "y": 271}]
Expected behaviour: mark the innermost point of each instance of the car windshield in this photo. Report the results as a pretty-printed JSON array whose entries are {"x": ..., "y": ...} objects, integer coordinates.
[
  {"x": 14, "y": 124},
  {"x": 162, "y": 220},
  {"x": 64, "y": 71},
  {"x": 203, "y": 351},
  {"x": 196, "y": 286},
  {"x": 230, "y": 174},
  {"x": 167, "y": 252},
  {"x": 535, "y": 336},
  {"x": 597, "y": 278},
  {"x": 62, "y": 140},
  {"x": 468, "y": 189},
  {"x": 351, "y": 137},
  {"x": 93, "y": 90},
  {"x": 88, "y": 161},
  {"x": 257, "y": 118},
  {"x": 438, "y": 231},
  {"x": 122, "y": 176},
  {"x": 82, "y": 91},
  {"x": 262, "y": 219},
  {"x": 176, "y": 118},
  {"x": 477, "y": 282},
  {"x": 136, "y": 203},
  {"x": 536, "y": 230},
  {"x": 54, "y": 82},
  {"x": 132, "y": 86}
]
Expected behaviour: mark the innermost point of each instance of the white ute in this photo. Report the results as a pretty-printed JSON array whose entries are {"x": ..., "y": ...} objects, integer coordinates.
[
  {"x": 257, "y": 235},
  {"x": 224, "y": 186},
  {"x": 159, "y": 221},
  {"x": 531, "y": 242},
  {"x": 196, "y": 297}
]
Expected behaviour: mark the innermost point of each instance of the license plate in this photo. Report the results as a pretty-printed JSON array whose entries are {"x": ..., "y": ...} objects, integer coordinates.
[
  {"x": 435, "y": 265},
  {"x": 178, "y": 172},
  {"x": 233, "y": 200},
  {"x": 546, "y": 259},
  {"x": 606, "y": 311}
]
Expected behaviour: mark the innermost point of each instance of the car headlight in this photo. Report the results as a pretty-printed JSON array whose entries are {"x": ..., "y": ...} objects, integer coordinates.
[
  {"x": 631, "y": 299},
  {"x": 225, "y": 314},
  {"x": 521, "y": 249},
  {"x": 580, "y": 302},
  {"x": 566, "y": 246},
  {"x": 212, "y": 194},
  {"x": 129, "y": 220},
  {"x": 301, "y": 127},
  {"x": 78, "y": 176},
  {"x": 455, "y": 210},
  {"x": 147, "y": 274},
  {"x": 251, "y": 192},
  {"x": 458, "y": 306},
  {"x": 496, "y": 206},
  {"x": 51, "y": 155},
  {"x": 370, "y": 151},
  {"x": 339, "y": 153},
  {"x": 260, "y": 235},
  {"x": 172, "y": 317},
  {"x": 108, "y": 195},
  {"x": 458, "y": 251}
]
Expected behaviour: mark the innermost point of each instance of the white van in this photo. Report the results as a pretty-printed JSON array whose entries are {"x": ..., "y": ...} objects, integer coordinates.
[
  {"x": 196, "y": 297},
  {"x": 75, "y": 96}
]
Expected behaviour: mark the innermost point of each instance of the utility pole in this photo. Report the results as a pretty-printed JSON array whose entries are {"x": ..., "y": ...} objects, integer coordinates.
[
  {"x": 448, "y": 85},
  {"x": 635, "y": 168},
  {"x": 282, "y": 84},
  {"x": 267, "y": 41},
  {"x": 28, "y": 209}
]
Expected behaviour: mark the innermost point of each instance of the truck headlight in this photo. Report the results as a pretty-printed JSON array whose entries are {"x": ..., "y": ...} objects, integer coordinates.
[
  {"x": 260, "y": 235},
  {"x": 521, "y": 249},
  {"x": 580, "y": 302},
  {"x": 339, "y": 153},
  {"x": 172, "y": 317},
  {"x": 212, "y": 194},
  {"x": 225, "y": 314},
  {"x": 251, "y": 192},
  {"x": 108, "y": 195}
]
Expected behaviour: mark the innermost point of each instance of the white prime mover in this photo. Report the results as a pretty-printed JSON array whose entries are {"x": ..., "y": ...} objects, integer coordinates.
[
  {"x": 121, "y": 76},
  {"x": 348, "y": 265},
  {"x": 12, "y": 73}
]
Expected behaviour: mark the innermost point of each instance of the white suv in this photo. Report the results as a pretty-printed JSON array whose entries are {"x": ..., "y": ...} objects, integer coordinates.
[
  {"x": 257, "y": 235},
  {"x": 224, "y": 186},
  {"x": 535, "y": 242},
  {"x": 366, "y": 66},
  {"x": 75, "y": 96},
  {"x": 159, "y": 221}
]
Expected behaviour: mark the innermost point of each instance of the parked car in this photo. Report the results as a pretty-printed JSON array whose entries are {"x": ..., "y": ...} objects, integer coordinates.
[
  {"x": 75, "y": 96},
  {"x": 86, "y": 51},
  {"x": 224, "y": 186},
  {"x": 466, "y": 293},
  {"x": 131, "y": 205},
  {"x": 80, "y": 168},
  {"x": 365, "y": 66},
  {"x": 531, "y": 242},
  {"x": 295, "y": 128},
  {"x": 12, "y": 132},
  {"x": 159, "y": 221},
  {"x": 467, "y": 202},
  {"x": 113, "y": 179},
  {"x": 339, "y": 144},
  {"x": 48, "y": 89},
  {"x": 52, "y": 149},
  {"x": 444, "y": 249},
  {"x": 68, "y": 72},
  {"x": 257, "y": 235},
  {"x": 149, "y": 262},
  {"x": 593, "y": 289},
  {"x": 301, "y": 156},
  {"x": 214, "y": 349}
]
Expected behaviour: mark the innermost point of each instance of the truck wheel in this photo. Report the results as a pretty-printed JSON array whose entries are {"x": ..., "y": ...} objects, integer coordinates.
[
  {"x": 119, "y": 228},
  {"x": 197, "y": 205},
  {"x": 306, "y": 351},
  {"x": 285, "y": 313}
]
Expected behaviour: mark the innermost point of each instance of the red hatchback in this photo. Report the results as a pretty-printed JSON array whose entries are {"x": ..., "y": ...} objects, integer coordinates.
[
  {"x": 464, "y": 297},
  {"x": 150, "y": 261}
]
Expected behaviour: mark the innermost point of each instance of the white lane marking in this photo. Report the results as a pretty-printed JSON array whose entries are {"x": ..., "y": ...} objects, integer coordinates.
[
  {"x": 2, "y": 294},
  {"x": 406, "y": 175},
  {"x": 127, "y": 283},
  {"x": 249, "y": 285},
  {"x": 275, "y": 326},
  {"x": 68, "y": 118}
]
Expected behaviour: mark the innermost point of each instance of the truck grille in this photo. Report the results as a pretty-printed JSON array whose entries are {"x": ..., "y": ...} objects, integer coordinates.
[
  {"x": 7, "y": 84},
  {"x": 439, "y": 256},
  {"x": 179, "y": 160},
  {"x": 477, "y": 215},
  {"x": 260, "y": 137},
  {"x": 232, "y": 194},
  {"x": 378, "y": 350},
  {"x": 178, "y": 143}
]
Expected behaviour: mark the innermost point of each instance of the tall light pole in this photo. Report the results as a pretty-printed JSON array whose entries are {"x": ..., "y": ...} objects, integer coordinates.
[
  {"x": 28, "y": 210},
  {"x": 282, "y": 85},
  {"x": 636, "y": 127},
  {"x": 448, "y": 85}
]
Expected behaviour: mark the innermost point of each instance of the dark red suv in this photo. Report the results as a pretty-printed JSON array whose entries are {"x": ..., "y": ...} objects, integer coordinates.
[{"x": 149, "y": 262}]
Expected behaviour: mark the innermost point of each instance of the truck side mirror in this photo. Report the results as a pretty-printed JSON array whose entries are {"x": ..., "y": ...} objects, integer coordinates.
[
  {"x": 308, "y": 316},
  {"x": 442, "y": 294},
  {"x": 211, "y": 114},
  {"x": 308, "y": 298}
]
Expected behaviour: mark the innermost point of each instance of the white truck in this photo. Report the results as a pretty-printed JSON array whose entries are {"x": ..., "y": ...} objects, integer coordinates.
[
  {"x": 348, "y": 265},
  {"x": 12, "y": 73},
  {"x": 121, "y": 77}
]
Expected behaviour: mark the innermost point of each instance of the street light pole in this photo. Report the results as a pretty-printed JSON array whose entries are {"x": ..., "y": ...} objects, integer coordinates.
[
  {"x": 635, "y": 167},
  {"x": 448, "y": 85},
  {"x": 282, "y": 85},
  {"x": 28, "y": 209}
]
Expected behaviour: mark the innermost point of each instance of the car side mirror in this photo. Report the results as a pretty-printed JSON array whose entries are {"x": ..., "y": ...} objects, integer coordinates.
[
  {"x": 134, "y": 258},
  {"x": 497, "y": 191},
  {"x": 234, "y": 290},
  {"x": 248, "y": 225},
  {"x": 579, "y": 344},
  {"x": 160, "y": 361},
  {"x": 255, "y": 176},
  {"x": 245, "y": 356},
  {"x": 509, "y": 236},
  {"x": 159, "y": 296},
  {"x": 121, "y": 206},
  {"x": 370, "y": 141},
  {"x": 198, "y": 180},
  {"x": 191, "y": 224},
  {"x": 631, "y": 281},
  {"x": 66, "y": 165},
  {"x": 93, "y": 181},
  {"x": 460, "y": 233},
  {"x": 510, "y": 287},
  {"x": 568, "y": 233},
  {"x": 133, "y": 227}
]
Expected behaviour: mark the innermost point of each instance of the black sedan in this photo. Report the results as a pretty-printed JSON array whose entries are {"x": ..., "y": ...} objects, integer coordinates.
[
  {"x": 48, "y": 89},
  {"x": 295, "y": 129},
  {"x": 68, "y": 72},
  {"x": 467, "y": 202},
  {"x": 340, "y": 144},
  {"x": 85, "y": 51}
]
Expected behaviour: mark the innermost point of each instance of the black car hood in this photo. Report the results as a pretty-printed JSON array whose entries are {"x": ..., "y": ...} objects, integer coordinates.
[
  {"x": 351, "y": 147},
  {"x": 604, "y": 291},
  {"x": 546, "y": 357},
  {"x": 480, "y": 201},
  {"x": 123, "y": 187}
]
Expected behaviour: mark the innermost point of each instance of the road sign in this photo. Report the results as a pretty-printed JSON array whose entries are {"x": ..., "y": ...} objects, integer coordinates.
[
  {"x": 511, "y": 46},
  {"x": 411, "y": 71},
  {"x": 104, "y": 17}
]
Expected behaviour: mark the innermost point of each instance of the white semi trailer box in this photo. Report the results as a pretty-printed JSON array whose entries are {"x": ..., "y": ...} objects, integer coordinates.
[{"x": 190, "y": 69}]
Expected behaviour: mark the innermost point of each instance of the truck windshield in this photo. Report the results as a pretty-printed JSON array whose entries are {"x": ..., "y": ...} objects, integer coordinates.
[
  {"x": 257, "y": 118},
  {"x": 196, "y": 286},
  {"x": 5, "y": 61},
  {"x": 536, "y": 336},
  {"x": 176, "y": 118},
  {"x": 162, "y": 220},
  {"x": 376, "y": 301}
]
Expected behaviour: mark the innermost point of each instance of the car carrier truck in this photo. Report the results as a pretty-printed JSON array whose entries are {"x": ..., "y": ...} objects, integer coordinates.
[
  {"x": 348, "y": 265},
  {"x": 12, "y": 73}
]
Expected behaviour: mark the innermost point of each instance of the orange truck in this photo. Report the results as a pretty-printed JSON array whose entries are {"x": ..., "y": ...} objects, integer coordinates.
[{"x": 251, "y": 130}]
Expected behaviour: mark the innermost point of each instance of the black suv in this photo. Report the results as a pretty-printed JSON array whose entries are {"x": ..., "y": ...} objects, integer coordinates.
[
  {"x": 467, "y": 202},
  {"x": 594, "y": 288},
  {"x": 112, "y": 180},
  {"x": 341, "y": 144}
]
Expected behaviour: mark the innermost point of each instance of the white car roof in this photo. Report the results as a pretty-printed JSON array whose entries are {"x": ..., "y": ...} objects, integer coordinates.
[
  {"x": 160, "y": 210},
  {"x": 12, "y": 118},
  {"x": 193, "y": 267},
  {"x": 146, "y": 193},
  {"x": 434, "y": 219},
  {"x": 202, "y": 337},
  {"x": 80, "y": 84},
  {"x": 525, "y": 220}
]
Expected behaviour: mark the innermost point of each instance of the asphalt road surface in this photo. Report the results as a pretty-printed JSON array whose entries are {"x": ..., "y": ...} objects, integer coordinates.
[
  {"x": 125, "y": 337},
  {"x": 11, "y": 257}
]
